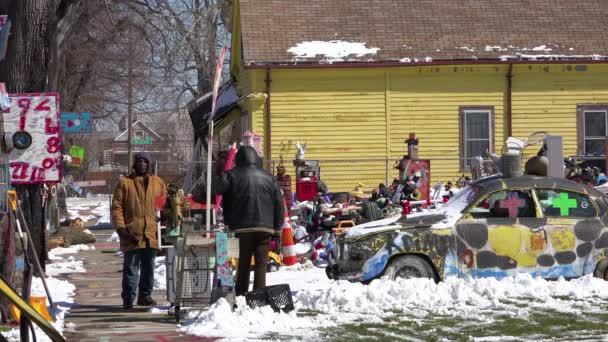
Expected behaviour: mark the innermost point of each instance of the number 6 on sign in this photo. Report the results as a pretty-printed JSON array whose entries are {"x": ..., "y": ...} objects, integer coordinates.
[{"x": 38, "y": 116}]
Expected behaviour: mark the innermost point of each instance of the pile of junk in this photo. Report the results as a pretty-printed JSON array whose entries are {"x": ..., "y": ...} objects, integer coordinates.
[{"x": 317, "y": 211}]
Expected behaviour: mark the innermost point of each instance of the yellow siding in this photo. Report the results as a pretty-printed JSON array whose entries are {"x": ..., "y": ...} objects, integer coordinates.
[
  {"x": 364, "y": 113},
  {"x": 426, "y": 100},
  {"x": 340, "y": 114},
  {"x": 545, "y": 99}
]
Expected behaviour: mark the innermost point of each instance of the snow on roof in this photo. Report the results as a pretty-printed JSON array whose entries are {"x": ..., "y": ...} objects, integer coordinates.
[{"x": 333, "y": 50}]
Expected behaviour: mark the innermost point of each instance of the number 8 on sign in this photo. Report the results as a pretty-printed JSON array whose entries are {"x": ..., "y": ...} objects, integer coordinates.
[{"x": 54, "y": 144}]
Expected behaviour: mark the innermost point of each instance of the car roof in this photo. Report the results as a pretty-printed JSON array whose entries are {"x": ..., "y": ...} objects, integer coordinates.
[{"x": 494, "y": 184}]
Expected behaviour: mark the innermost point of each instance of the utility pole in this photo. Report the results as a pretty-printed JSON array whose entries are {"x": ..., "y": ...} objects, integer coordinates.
[{"x": 130, "y": 108}]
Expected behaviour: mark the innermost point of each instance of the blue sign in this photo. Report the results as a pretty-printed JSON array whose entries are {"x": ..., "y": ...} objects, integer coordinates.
[{"x": 76, "y": 122}]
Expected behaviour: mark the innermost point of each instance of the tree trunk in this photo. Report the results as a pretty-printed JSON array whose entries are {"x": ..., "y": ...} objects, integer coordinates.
[{"x": 25, "y": 70}]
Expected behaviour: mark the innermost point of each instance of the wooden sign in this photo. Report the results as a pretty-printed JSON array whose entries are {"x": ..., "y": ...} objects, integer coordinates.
[{"x": 33, "y": 120}]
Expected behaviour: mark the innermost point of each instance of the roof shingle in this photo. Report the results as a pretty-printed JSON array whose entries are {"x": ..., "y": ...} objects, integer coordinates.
[{"x": 419, "y": 30}]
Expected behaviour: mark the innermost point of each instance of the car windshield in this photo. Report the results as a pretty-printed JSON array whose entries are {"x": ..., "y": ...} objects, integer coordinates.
[{"x": 453, "y": 209}]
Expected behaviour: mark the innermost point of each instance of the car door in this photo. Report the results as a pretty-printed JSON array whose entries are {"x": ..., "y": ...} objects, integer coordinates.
[
  {"x": 500, "y": 235},
  {"x": 572, "y": 226}
]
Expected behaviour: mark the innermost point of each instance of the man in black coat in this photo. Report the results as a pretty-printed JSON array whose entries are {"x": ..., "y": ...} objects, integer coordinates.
[{"x": 253, "y": 209}]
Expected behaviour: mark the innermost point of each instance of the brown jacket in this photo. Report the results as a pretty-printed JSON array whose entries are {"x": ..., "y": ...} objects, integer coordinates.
[{"x": 134, "y": 209}]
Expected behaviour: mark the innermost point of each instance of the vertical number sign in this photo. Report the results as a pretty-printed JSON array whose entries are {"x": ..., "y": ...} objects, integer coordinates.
[{"x": 39, "y": 116}]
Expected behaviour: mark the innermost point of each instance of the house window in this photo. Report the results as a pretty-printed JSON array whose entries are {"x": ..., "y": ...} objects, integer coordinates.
[
  {"x": 476, "y": 133},
  {"x": 594, "y": 122}
]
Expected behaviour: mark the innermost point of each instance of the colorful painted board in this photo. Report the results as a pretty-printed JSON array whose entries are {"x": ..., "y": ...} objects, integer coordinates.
[
  {"x": 422, "y": 169},
  {"x": 77, "y": 154},
  {"x": 223, "y": 266},
  {"x": 34, "y": 117},
  {"x": 76, "y": 122}
]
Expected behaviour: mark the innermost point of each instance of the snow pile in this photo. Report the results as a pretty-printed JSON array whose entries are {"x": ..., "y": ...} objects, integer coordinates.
[
  {"x": 333, "y": 50},
  {"x": 322, "y": 303},
  {"x": 54, "y": 254},
  {"x": 69, "y": 266},
  {"x": 160, "y": 274},
  {"x": 97, "y": 206},
  {"x": 62, "y": 292}
]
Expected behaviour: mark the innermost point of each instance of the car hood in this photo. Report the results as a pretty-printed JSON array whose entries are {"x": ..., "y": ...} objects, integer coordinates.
[{"x": 418, "y": 221}]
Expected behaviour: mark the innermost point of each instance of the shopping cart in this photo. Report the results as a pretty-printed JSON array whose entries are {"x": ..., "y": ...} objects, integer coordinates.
[{"x": 196, "y": 263}]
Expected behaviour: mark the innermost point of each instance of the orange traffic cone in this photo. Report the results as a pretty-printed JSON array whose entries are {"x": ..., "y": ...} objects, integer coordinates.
[{"x": 288, "y": 249}]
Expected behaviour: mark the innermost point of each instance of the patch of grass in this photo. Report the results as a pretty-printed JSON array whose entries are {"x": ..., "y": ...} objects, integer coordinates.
[
  {"x": 542, "y": 325},
  {"x": 308, "y": 313},
  {"x": 6, "y": 328}
]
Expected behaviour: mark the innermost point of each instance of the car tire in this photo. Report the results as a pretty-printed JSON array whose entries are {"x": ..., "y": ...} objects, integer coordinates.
[
  {"x": 272, "y": 267},
  {"x": 409, "y": 266},
  {"x": 601, "y": 270}
]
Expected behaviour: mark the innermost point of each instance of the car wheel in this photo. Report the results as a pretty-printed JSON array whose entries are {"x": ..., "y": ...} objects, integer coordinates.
[
  {"x": 272, "y": 267},
  {"x": 409, "y": 266},
  {"x": 601, "y": 270}
]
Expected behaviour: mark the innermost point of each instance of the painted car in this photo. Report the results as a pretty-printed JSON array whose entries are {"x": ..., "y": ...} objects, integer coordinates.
[{"x": 495, "y": 227}]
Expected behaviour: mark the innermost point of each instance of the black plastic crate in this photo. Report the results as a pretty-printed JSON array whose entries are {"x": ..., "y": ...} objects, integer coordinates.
[{"x": 277, "y": 296}]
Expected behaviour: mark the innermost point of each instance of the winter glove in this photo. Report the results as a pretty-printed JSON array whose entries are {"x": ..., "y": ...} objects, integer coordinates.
[{"x": 124, "y": 235}]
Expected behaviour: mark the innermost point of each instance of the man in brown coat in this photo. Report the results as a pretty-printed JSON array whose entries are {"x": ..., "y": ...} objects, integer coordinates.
[{"x": 135, "y": 220}]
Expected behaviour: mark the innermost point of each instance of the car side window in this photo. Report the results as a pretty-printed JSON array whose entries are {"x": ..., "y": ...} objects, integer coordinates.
[
  {"x": 562, "y": 203},
  {"x": 505, "y": 204}
]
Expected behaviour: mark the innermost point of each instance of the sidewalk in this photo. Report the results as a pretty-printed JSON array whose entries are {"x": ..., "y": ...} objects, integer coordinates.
[{"x": 99, "y": 316}]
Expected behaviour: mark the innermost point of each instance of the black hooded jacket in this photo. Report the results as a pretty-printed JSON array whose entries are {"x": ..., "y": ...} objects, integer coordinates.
[{"x": 251, "y": 196}]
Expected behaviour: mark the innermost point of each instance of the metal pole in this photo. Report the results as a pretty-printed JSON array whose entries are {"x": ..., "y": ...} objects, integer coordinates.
[
  {"x": 208, "y": 203},
  {"x": 33, "y": 249},
  {"x": 130, "y": 109}
]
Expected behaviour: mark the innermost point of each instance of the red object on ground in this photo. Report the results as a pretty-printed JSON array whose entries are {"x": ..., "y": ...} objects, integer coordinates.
[
  {"x": 288, "y": 249},
  {"x": 406, "y": 207}
]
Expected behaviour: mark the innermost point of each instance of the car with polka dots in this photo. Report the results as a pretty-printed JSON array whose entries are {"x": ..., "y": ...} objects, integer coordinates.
[{"x": 495, "y": 227}]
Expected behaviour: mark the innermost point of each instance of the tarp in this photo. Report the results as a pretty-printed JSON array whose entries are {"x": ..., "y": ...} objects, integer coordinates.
[{"x": 200, "y": 109}]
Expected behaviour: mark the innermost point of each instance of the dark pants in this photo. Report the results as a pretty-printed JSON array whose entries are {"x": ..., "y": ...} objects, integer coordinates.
[
  {"x": 256, "y": 244},
  {"x": 134, "y": 260}
]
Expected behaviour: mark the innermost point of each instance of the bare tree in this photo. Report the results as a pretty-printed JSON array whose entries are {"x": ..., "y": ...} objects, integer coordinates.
[{"x": 192, "y": 33}]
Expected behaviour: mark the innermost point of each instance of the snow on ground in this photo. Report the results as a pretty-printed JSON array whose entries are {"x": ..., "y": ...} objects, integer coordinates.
[
  {"x": 97, "y": 205},
  {"x": 160, "y": 274},
  {"x": 322, "y": 303},
  {"x": 54, "y": 254},
  {"x": 62, "y": 291},
  {"x": 69, "y": 266}
]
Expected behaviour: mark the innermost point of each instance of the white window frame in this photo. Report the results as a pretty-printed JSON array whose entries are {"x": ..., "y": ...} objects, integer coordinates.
[
  {"x": 466, "y": 166},
  {"x": 593, "y": 137}
]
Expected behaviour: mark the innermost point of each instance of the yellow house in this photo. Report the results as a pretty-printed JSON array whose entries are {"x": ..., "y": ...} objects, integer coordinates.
[{"x": 353, "y": 78}]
